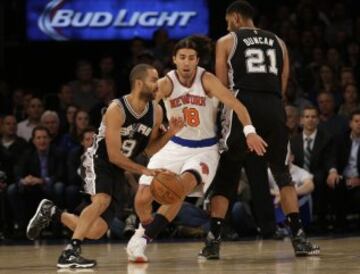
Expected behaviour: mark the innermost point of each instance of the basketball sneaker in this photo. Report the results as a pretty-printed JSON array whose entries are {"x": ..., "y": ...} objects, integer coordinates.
[
  {"x": 136, "y": 247},
  {"x": 70, "y": 258},
  {"x": 304, "y": 247},
  {"x": 211, "y": 251},
  {"x": 40, "y": 220}
]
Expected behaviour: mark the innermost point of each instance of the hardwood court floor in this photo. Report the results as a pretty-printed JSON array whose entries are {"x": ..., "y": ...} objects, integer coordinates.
[{"x": 338, "y": 256}]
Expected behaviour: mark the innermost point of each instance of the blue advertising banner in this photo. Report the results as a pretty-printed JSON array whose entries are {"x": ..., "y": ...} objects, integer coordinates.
[{"x": 65, "y": 20}]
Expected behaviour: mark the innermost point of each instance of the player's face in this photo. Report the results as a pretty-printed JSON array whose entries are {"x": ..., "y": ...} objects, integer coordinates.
[
  {"x": 186, "y": 61},
  {"x": 150, "y": 85}
]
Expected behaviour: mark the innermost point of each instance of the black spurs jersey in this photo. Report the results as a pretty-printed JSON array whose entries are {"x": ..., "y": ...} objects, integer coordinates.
[
  {"x": 135, "y": 132},
  {"x": 256, "y": 61}
]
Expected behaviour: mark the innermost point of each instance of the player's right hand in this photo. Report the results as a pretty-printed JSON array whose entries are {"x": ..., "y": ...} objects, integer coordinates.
[
  {"x": 176, "y": 124},
  {"x": 256, "y": 144},
  {"x": 155, "y": 171}
]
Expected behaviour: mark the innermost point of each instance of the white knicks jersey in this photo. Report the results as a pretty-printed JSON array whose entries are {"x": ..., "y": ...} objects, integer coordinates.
[{"x": 195, "y": 106}]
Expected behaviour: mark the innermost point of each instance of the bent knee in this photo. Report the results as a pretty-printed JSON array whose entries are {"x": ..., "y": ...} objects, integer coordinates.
[
  {"x": 101, "y": 201},
  {"x": 98, "y": 230},
  {"x": 143, "y": 195}
]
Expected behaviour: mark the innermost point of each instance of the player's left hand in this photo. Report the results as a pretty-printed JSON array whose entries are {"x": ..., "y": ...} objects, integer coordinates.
[
  {"x": 175, "y": 125},
  {"x": 256, "y": 144}
]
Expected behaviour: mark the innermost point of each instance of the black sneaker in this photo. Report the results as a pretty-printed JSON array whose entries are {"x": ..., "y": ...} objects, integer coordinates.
[
  {"x": 211, "y": 250},
  {"x": 70, "y": 258},
  {"x": 40, "y": 220},
  {"x": 304, "y": 247}
]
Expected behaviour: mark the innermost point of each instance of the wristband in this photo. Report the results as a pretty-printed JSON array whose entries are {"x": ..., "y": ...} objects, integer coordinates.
[{"x": 249, "y": 129}]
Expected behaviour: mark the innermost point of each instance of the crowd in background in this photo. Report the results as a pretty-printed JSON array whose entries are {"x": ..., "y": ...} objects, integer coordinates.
[{"x": 43, "y": 135}]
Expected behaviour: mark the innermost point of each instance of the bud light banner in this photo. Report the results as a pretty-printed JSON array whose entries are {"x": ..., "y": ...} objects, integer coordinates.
[{"x": 65, "y": 20}]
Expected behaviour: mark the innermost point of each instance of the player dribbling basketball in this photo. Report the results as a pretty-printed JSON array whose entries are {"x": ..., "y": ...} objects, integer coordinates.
[{"x": 192, "y": 152}]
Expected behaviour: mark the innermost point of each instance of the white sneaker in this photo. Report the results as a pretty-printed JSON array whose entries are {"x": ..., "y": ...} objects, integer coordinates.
[{"x": 136, "y": 247}]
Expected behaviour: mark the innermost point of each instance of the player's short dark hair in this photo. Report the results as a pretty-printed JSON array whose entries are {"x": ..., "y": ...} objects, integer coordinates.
[
  {"x": 139, "y": 72},
  {"x": 354, "y": 113},
  {"x": 186, "y": 43},
  {"x": 241, "y": 7}
]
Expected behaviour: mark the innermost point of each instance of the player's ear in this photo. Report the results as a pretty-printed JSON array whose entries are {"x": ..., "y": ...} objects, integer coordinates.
[
  {"x": 174, "y": 59},
  {"x": 197, "y": 60},
  {"x": 139, "y": 83},
  {"x": 237, "y": 19}
]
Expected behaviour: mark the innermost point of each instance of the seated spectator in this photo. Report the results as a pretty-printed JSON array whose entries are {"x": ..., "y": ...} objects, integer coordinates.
[
  {"x": 12, "y": 145},
  {"x": 19, "y": 97},
  {"x": 83, "y": 88},
  {"x": 347, "y": 77},
  {"x": 51, "y": 121},
  {"x": 34, "y": 111},
  {"x": 304, "y": 185},
  {"x": 329, "y": 120},
  {"x": 327, "y": 83},
  {"x": 345, "y": 191},
  {"x": 74, "y": 181},
  {"x": 294, "y": 95},
  {"x": 313, "y": 151},
  {"x": 105, "y": 90},
  {"x": 107, "y": 67},
  {"x": 4, "y": 209},
  {"x": 334, "y": 60},
  {"x": 192, "y": 221},
  {"x": 353, "y": 58},
  {"x": 72, "y": 139},
  {"x": 59, "y": 102},
  {"x": 351, "y": 101},
  {"x": 66, "y": 122},
  {"x": 38, "y": 175},
  {"x": 292, "y": 120}
]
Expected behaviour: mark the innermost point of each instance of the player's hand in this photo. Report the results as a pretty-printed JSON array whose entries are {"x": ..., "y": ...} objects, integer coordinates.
[
  {"x": 256, "y": 144},
  {"x": 154, "y": 172},
  {"x": 175, "y": 125},
  {"x": 333, "y": 179}
]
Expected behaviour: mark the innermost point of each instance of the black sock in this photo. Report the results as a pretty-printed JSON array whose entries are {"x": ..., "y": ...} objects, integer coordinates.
[
  {"x": 75, "y": 243},
  {"x": 216, "y": 227},
  {"x": 56, "y": 214},
  {"x": 153, "y": 229},
  {"x": 294, "y": 223}
]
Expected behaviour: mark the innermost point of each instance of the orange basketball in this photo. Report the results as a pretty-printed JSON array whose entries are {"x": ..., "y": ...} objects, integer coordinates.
[{"x": 166, "y": 188}]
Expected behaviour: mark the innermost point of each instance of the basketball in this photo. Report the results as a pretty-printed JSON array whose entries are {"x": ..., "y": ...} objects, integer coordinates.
[{"x": 166, "y": 188}]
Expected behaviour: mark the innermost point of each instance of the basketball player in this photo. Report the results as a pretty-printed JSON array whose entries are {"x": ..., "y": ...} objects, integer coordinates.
[
  {"x": 130, "y": 126},
  {"x": 254, "y": 63},
  {"x": 192, "y": 152}
]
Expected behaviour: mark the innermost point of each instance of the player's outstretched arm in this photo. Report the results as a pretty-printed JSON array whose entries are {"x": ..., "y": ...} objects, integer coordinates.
[
  {"x": 157, "y": 138},
  {"x": 215, "y": 88},
  {"x": 114, "y": 119}
]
